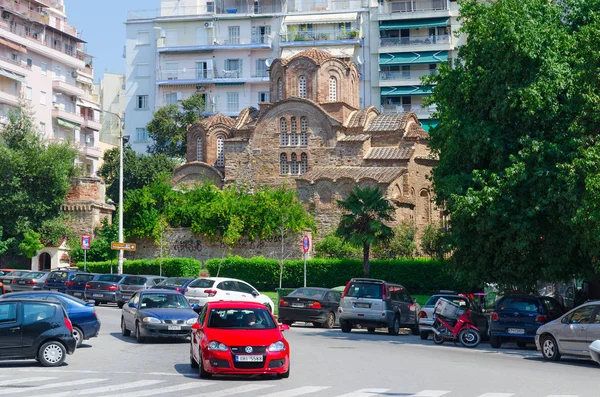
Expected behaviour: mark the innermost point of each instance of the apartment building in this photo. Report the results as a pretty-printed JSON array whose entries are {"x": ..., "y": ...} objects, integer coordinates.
[
  {"x": 111, "y": 92},
  {"x": 43, "y": 66}
]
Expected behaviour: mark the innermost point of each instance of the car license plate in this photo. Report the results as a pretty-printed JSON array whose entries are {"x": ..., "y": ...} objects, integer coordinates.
[
  {"x": 249, "y": 358},
  {"x": 193, "y": 301},
  {"x": 22, "y": 282},
  {"x": 97, "y": 295},
  {"x": 174, "y": 327},
  {"x": 297, "y": 304},
  {"x": 518, "y": 331},
  {"x": 54, "y": 289},
  {"x": 77, "y": 293},
  {"x": 360, "y": 304}
]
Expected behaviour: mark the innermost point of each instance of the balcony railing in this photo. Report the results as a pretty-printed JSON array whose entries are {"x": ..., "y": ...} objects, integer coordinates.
[
  {"x": 261, "y": 39},
  {"x": 207, "y": 74},
  {"x": 417, "y": 109},
  {"x": 210, "y": 8},
  {"x": 323, "y": 5},
  {"x": 415, "y": 40},
  {"x": 320, "y": 35},
  {"x": 405, "y": 74},
  {"x": 37, "y": 16},
  {"x": 390, "y": 7}
]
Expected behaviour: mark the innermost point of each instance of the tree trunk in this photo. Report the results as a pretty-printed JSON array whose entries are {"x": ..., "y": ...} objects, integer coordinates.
[{"x": 366, "y": 263}]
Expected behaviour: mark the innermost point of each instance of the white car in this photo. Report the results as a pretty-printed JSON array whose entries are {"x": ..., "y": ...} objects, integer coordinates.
[{"x": 214, "y": 289}]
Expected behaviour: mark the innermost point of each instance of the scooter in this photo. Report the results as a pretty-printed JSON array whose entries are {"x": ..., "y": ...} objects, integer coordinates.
[{"x": 461, "y": 330}]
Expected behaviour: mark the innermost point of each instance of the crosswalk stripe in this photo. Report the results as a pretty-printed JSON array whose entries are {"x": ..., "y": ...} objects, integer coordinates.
[
  {"x": 163, "y": 390},
  {"x": 430, "y": 393},
  {"x": 24, "y": 380},
  {"x": 233, "y": 391},
  {"x": 296, "y": 392},
  {"x": 497, "y": 395},
  {"x": 104, "y": 389},
  {"x": 52, "y": 386},
  {"x": 364, "y": 393}
]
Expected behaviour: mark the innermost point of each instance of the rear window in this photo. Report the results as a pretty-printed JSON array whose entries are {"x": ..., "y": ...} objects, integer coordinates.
[
  {"x": 83, "y": 277},
  {"x": 452, "y": 298},
  {"x": 112, "y": 278},
  {"x": 520, "y": 304},
  {"x": 58, "y": 276},
  {"x": 173, "y": 282},
  {"x": 134, "y": 280},
  {"x": 364, "y": 290},
  {"x": 308, "y": 293},
  {"x": 202, "y": 283}
]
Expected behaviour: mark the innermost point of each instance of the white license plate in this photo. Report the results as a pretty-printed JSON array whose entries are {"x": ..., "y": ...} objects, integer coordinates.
[
  {"x": 249, "y": 358},
  {"x": 54, "y": 289},
  {"x": 297, "y": 304},
  {"x": 365, "y": 305},
  {"x": 174, "y": 327},
  {"x": 22, "y": 282},
  {"x": 193, "y": 301},
  {"x": 518, "y": 331},
  {"x": 77, "y": 293},
  {"x": 98, "y": 295}
]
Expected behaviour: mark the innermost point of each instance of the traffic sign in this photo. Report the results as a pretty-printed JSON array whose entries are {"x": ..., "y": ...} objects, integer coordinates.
[
  {"x": 86, "y": 241},
  {"x": 122, "y": 246},
  {"x": 305, "y": 243}
]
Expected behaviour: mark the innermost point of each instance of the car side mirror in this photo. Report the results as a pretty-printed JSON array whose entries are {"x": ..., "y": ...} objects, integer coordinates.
[
  {"x": 197, "y": 308},
  {"x": 255, "y": 293},
  {"x": 196, "y": 326},
  {"x": 284, "y": 327},
  {"x": 131, "y": 304}
]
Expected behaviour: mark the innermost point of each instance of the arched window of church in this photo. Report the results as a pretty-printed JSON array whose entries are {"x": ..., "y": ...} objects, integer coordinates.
[
  {"x": 303, "y": 163},
  {"x": 293, "y": 132},
  {"x": 284, "y": 139},
  {"x": 332, "y": 89},
  {"x": 283, "y": 164},
  {"x": 279, "y": 89},
  {"x": 199, "y": 149},
  {"x": 294, "y": 164},
  {"x": 302, "y": 87},
  {"x": 220, "y": 151},
  {"x": 303, "y": 131}
]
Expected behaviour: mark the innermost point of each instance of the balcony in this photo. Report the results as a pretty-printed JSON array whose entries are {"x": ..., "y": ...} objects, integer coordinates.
[
  {"x": 420, "y": 111},
  {"x": 410, "y": 9},
  {"x": 320, "y": 37},
  {"x": 209, "y": 76},
  {"x": 9, "y": 97},
  {"x": 24, "y": 11},
  {"x": 13, "y": 66},
  {"x": 60, "y": 84},
  {"x": 91, "y": 123},
  {"x": 324, "y": 5},
  {"x": 413, "y": 41},
  {"x": 260, "y": 42},
  {"x": 401, "y": 77},
  {"x": 228, "y": 7},
  {"x": 90, "y": 151},
  {"x": 61, "y": 113}
]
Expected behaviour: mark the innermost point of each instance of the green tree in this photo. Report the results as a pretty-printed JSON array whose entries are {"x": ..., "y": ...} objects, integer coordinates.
[
  {"x": 31, "y": 244},
  {"x": 433, "y": 242},
  {"x": 4, "y": 244},
  {"x": 55, "y": 231},
  {"x": 334, "y": 247},
  {"x": 100, "y": 250},
  {"x": 366, "y": 210},
  {"x": 168, "y": 127},
  {"x": 402, "y": 245}
]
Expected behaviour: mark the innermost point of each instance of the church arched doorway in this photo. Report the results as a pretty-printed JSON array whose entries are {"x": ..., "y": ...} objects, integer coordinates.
[{"x": 45, "y": 262}]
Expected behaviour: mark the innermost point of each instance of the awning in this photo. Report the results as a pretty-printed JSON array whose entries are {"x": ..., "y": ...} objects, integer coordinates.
[
  {"x": 230, "y": 84},
  {"x": 407, "y": 58},
  {"x": 12, "y": 76},
  {"x": 87, "y": 104},
  {"x": 321, "y": 18},
  {"x": 405, "y": 91},
  {"x": 14, "y": 46},
  {"x": 67, "y": 124},
  {"x": 413, "y": 23},
  {"x": 428, "y": 124},
  {"x": 337, "y": 51}
]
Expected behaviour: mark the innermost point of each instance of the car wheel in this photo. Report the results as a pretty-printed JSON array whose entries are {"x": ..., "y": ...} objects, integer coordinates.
[
  {"x": 346, "y": 326},
  {"x": 120, "y": 304},
  {"x": 424, "y": 335},
  {"x": 371, "y": 330},
  {"x": 522, "y": 345},
  {"x": 52, "y": 354},
  {"x": 96, "y": 303},
  {"x": 330, "y": 322},
  {"x": 201, "y": 371},
  {"x": 549, "y": 348},
  {"x": 495, "y": 342},
  {"x": 78, "y": 335},
  {"x": 193, "y": 361},
  {"x": 138, "y": 335},
  {"x": 286, "y": 374},
  {"x": 395, "y": 328},
  {"x": 124, "y": 330}
]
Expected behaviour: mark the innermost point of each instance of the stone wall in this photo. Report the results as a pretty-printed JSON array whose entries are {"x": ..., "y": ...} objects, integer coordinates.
[{"x": 85, "y": 205}]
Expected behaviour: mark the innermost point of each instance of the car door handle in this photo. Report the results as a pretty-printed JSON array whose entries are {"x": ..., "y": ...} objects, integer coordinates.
[{"x": 13, "y": 329}]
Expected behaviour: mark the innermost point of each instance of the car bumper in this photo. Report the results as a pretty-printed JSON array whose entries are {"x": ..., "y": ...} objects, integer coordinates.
[
  {"x": 426, "y": 324},
  {"x": 305, "y": 315},
  {"x": 528, "y": 334},
  {"x": 70, "y": 345},
  {"x": 21, "y": 288},
  {"x": 91, "y": 330},
  {"x": 122, "y": 297},
  {"x": 537, "y": 343},
  {"x": 163, "y": 331},
  {"x": 76, "y": 293},
  {"x": 355, "y": 317},
  {"x": 226, "y": 364},
  {"x": 101, "y": 296}
]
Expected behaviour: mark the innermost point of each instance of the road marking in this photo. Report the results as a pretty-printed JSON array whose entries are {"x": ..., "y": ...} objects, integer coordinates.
[
  {"x": 430, "y": 393},
  {"x": 233, "y": 391},
  {"x": 103, "y": 389},
  {"x": 24, "y": 380},
  {"x": 296, "y": 392},
  {"x": 163, "y": 390},
  {"x": 51, "y": 385},
  {"x": 364, "y": 393}
]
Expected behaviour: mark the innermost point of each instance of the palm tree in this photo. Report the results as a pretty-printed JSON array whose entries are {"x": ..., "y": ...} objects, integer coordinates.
[{"x": 363, "y": 223}]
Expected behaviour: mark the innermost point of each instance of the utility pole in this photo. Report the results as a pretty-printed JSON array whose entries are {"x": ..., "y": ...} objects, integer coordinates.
[{"x": 121, "y": 240}]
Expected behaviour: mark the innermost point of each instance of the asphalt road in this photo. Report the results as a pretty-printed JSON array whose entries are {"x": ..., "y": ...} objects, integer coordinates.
[{"x": 325, "y": 363}]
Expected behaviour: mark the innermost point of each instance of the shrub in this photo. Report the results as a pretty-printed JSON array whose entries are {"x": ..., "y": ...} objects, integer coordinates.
[
  {"x": 332, "y": 246},
  {"x": 171, "y": 267}
]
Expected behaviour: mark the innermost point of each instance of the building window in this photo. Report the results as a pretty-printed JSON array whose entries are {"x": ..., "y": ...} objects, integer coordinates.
[
  {"x": 332, "y": 89},
  {"x": 14, "y": 57},
  {"x": 171, "y": 98},
  {"x": 220, "y": 151},
  {"x": 303, "y": 131},
  {"x": 199, "y": 149},
  {"x": 294, "y": 164},
  {"x": 283, "y": 164},
  {"x": 29, "y": 63},
  {"x": 279, "y": 90},
  {"x": 28, "y": 93},
  {"x": 42, "y": 127},
  {"x": 42, "y": 98},
  {"x": 233, "y": 101},
  {"x": 141, "y": 102},
  {"x": 143, "y": 38},
  {"x": 294, "y": 132},
  {"x": 233, "y": 68},
  {"x": 141, "y": 135},
  {"x": 283, "y": 137},
  {"x": 143, "y": 70},
  {"x": 302, "y": 87},
  {"x": 264, "y": 97},
  {"x": 234, "y": 35},
  {"x": 303, "y": 163},
  {"x": 44, "y": 68}
]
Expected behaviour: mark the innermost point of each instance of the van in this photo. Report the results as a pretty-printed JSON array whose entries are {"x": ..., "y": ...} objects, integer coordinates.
[{"x": 372, "y": 304}]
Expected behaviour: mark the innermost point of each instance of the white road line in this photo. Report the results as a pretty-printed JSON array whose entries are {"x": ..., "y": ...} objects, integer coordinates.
[
  {"x": 364, "y": 393},
  {"x": 163, "y": 390},
  {"x": 430, "y": 393},
  {"x": 497, "y": 395},
  {"x": 51, "y": 386},
  {"x": 233, "y": 391},
  {"x": 300, "y": 391},
  {"x": 104, "y": 389},
  {"x": 24, "y": 380}
]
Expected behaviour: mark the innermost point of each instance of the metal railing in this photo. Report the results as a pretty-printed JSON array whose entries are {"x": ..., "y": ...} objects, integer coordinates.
[
  {"x": 417, "y": 109},
  {"x": 35, "y": 15},
  {"x": 207, "y": 74},
  {"x": 320, "y": 35},
  {"x": 323, "y": 5},
  {"x": 260, "y": 39},
  {"x": 211, "y": 8},
  {"x": 390, "y": 7},
  {"x": 415, "y": 40},
  {"x": 405, "y": 74}
]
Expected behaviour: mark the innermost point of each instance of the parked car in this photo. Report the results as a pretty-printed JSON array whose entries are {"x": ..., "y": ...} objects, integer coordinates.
[
  {"x": 76, "y": 287},
  {"x": 82, "y": 314},
  {"x": 210, "y": 289},
  {"x": 175, "y": 283},
  {"x": 570, "y": 334},
  {"x": 6, "y": 271},
  {"x": 239, "y": 338},
  {"x": 130, "y": 284},
  {"x": 8, "y": 278},
  {"x": 103, "y": 288},
  {"x": 517, "y": 318},
  {"x": 595, "y": 351},
  {"x": 426, "y": 317},
  {"x": 57, "y": 278},
  {"x": 33, "y": 329},
  {"x": 155, "y": 313},
  {"x": 32, "y": 281},
  {"x": 373, "y": 303},
  {"x": 314, "y": 305},
  {"x": 2, "y": 290}
]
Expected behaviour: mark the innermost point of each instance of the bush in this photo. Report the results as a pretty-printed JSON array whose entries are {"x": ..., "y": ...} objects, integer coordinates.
[
  {"x": 332, "y": 246},
  {"x": 171, "y": 267}
]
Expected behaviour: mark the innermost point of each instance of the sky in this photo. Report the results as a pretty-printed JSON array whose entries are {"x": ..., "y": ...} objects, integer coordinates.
[{"x": 102, "y": 25}]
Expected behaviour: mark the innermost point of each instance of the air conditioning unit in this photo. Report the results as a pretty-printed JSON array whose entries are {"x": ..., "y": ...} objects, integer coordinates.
[
  {"x": 209, "y": 25},
  {"x": 74, "y": 74}
]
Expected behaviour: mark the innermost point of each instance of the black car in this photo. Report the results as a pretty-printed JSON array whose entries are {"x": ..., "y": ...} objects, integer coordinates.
[
  {"x": 516, "y": 318},
  {"x": 76, "y": 286},
  {"x": 57, "y": 279},
  {"x": 178, "y": 284},
  {"x": 313, "y": 305},
  {"x": 34, "y": 329},
  {"x": 103, "y": 288}
]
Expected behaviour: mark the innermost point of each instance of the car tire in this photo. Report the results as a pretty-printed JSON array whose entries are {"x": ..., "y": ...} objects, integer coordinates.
[
  {"x": 124, "y": 330},
  {"x": 522, "y": 345},
  {"x": 395, "y": 328},
  {"x": 330, "y": 322},
  {"x": 52, "y": 354},
  {"x": 495, "y": 342},
  {"x": 550, "y": 350},
  {"x": 287, "y": 322},
  {"x": 415, "y": 330},
  {"x": 286, "y": 374},
  {"x": 424, "y": 335},
  {"x": 78, "y": 335},
  {"x": 345, "y": 326},
  {"x": 138, "y": 335},
  {"x": 204, "y": 374},
  {"x": 96, "y": 303},
  {"x": 193, "y": 362}
]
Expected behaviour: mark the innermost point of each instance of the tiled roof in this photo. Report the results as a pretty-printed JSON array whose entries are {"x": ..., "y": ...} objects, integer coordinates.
[
  {"x": 358, "y": 118},
  {"x": 218, "y": 118},
  {"x": 317, "y": 55},
  {"x": 389, "y": 122},
  {"x": 354, "y": 138},
  {"x": 246, "y": 116},
  {"x": 380, "y": 174},
  {"x": 389, "y": 153},
  {"x": 415, "y": 131}
]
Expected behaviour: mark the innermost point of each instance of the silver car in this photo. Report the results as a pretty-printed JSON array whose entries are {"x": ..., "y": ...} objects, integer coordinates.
[
  {"x": 29, "y": 281},
  {"x": 8, "y": 278},
  {"x": 570, "y": 334}
]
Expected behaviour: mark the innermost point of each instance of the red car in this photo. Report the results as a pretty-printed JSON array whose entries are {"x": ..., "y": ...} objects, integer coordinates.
[{"x": 239, "y": 338}]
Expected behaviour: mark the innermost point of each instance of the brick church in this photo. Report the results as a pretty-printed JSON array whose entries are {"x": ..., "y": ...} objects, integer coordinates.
[{"x": 314, "y": 138}]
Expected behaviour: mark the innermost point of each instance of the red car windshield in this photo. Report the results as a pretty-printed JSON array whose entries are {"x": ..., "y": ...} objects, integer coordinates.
[{"x": 240, "y": 319}]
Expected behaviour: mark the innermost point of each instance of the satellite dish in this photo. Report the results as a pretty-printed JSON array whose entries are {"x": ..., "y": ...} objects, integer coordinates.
[
  {"x": 359, "y": 60},
  {"x": 268, "y": 62}
]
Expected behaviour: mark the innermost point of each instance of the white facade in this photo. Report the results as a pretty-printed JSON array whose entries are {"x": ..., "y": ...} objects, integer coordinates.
[
  {"x": 111, "y": 91},
  {"x": 43, "y": 67}
]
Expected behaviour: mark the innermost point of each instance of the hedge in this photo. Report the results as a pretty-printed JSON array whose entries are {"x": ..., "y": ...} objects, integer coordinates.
[{"x": 171, "y": 267}]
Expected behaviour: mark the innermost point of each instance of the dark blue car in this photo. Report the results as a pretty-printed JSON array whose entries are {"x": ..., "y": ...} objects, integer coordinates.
[
  {"x": 178, "y": 284},
  {"x": 76, "y": 286},
  {"x": 56, "y": 280},
  {"x": 82, "y": 314}
]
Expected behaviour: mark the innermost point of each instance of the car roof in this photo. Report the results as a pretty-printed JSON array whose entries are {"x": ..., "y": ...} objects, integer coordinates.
[
  {"x": 9, "y": 299},
  {"x": 159, "y": 291},
  {"x": 317, "y": 289},
  {"x": 236, "y": 305}
]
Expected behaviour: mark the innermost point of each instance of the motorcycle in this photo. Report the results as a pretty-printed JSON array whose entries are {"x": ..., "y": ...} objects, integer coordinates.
[{"x": 453, "y": 323}]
